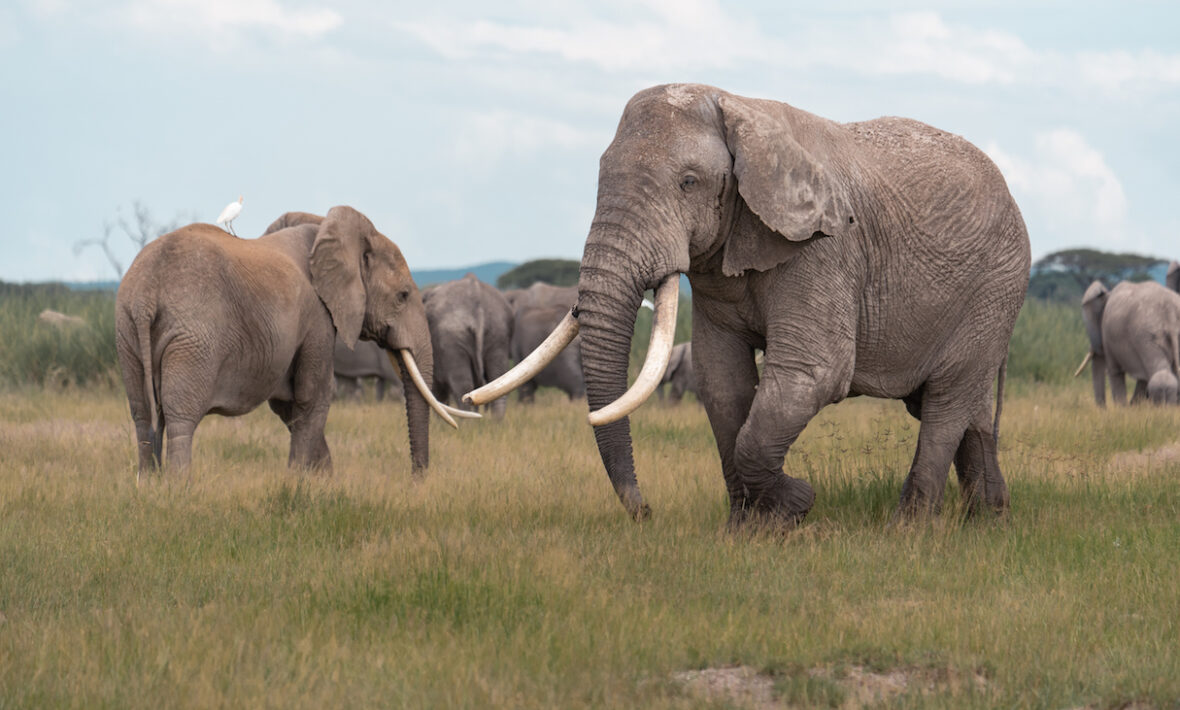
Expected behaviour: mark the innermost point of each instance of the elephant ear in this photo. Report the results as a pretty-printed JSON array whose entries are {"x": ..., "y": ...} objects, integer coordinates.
[
  {"x": 293, "y": 219},
  {"x": 1173, "y": 279},
  {"x": 335, "y": 267},
  {"x": 1093, "y": 304},
  {"x": 783, "y": 183}
]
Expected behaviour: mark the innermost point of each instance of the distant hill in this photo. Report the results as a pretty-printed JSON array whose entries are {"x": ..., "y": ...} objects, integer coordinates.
[
  {"x": 488, "y": 273},
  {"x": 1065, "y": 275}
]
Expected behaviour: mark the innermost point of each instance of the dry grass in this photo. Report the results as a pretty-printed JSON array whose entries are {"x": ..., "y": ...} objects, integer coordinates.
[{"x": 511, "y": 576}]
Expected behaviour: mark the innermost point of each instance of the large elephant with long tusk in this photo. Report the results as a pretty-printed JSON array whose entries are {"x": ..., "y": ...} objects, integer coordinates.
[
  {"x": 883, "y": 258},
  {"x": 210, "y": 323}
]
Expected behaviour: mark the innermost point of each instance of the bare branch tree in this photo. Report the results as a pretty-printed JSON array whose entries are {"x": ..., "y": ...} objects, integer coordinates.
[
  {"x": 140, "y": 228},
  {"x": 104, "y": 244}
]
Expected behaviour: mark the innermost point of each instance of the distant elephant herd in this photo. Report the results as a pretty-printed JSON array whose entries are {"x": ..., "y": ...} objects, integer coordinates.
[
  {"x": 884, "y": 258},
  {"x": 477, "y": 331}
]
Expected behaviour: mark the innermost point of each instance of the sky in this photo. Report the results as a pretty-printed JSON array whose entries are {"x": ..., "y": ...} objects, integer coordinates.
[{"x": 470, "y": 132}]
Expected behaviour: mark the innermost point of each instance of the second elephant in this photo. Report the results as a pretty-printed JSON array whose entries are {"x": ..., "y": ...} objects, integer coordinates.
[
  {"x": 367, "y": 359},
  {"x": 1134, "y": 329},
  {"x": 471, "y": 327},
  {"x": 538, "y": 309}
]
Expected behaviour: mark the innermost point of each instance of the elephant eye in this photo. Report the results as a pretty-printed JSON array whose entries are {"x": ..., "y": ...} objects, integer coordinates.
[
  {"x": 403, "y": 296},
  {"x": 688, "y": 182}
]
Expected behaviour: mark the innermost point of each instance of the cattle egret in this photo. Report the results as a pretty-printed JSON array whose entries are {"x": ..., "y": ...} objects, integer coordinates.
[{"x": 228, "y": 214}]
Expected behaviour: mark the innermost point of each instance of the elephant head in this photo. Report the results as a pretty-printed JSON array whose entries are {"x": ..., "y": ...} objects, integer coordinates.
[
  {"x": 695, "y": 179},
  {"x": 1173, "y": 278},
  {"x": 1093, "y": 306},
  {"x": 364, "y": 281}
]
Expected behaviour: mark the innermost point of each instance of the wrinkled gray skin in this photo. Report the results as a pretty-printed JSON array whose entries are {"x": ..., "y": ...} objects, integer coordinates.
[
  {"x": 884, "y": 258},
  {"x": 367, "y": 359},
  {"x": 1173, "y": 278},
  {"x": 1134, "y": 330},
  {"x": 208, "y": 323},
  {"x": 537, "y": 310},
  {"x": 471, "y": 327},
  {"x": 679, "y": 374}
]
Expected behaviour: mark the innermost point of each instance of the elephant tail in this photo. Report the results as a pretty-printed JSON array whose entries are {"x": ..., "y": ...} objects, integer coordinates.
[
  {"x": 999, "y": 399},
  {"x": 143, "y": 329}
]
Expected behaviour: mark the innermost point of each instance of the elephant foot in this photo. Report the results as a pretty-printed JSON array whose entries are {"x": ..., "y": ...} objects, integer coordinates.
[{"x": 780, "y": 507}]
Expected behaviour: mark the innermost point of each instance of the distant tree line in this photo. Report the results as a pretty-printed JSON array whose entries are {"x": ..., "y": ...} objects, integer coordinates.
[
  {"x": 558, "y": 272},
  {"x": 1064, "y": 276}
]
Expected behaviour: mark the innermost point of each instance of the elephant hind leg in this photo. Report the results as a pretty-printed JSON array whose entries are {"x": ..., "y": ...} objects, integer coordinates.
[
  {"x": 978, "y": 468},
  {"x": 939, "y": 437}
]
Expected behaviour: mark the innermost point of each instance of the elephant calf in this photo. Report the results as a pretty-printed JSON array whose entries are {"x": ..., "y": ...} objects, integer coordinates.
[
  {"x": 679, "y": 374},
  {"x": 207, "y": 323},
  {"x": 1134, "y": 329}
]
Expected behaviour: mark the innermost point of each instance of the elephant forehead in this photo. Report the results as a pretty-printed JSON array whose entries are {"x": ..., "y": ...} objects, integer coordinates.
[{"x": 1095, "y": 290}]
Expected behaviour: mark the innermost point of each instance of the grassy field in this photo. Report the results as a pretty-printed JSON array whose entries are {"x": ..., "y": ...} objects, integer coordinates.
[{"x": 511, "y": 576}]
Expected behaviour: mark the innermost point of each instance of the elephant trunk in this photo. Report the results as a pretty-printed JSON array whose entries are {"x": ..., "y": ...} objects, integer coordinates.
[
  {"x": 613, "y": 278},
  {"x": 421, "y": 358}
]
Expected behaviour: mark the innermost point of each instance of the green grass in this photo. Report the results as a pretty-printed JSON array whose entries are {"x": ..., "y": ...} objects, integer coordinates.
[
  {"x": 35, "y": 353},
  {"x": 511, "y": 576}
]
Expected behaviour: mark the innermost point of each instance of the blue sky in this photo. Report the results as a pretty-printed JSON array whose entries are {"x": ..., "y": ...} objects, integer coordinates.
[{"x": 470, "y": 131}]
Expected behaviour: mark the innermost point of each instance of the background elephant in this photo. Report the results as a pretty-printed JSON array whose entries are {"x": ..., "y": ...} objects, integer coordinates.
[
  {"x": 1134, "y": 330},
  {"x": 471, "y": 327},
  {"x": 884, "y": 258},
  {"x": 1173, "y": 278},
  {"x": 679, "y": 374},
  {"x": 537, "y": 309},
  {"x": 210, "y": 323},
  {"x": 365, "y": 360}
]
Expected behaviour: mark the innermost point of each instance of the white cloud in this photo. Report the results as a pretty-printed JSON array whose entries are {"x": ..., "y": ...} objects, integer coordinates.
[
  {"x": 1069, "y": 188},
  {"x": 485, "y": 138},
  {"x": 218, "y": 18},
  {"x": 660, "y": 35},
  {"x": 657, "y": 35}
]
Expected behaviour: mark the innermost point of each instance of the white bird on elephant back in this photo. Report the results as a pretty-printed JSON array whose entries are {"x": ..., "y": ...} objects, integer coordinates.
[{"x": 227, "y": 216}]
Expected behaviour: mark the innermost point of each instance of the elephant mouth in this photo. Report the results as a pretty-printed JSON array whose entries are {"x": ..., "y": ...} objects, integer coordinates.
[{"x": 659, "y": 352}]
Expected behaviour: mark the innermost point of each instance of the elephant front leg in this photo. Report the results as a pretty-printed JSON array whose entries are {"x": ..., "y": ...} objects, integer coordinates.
[
  {"x": 785, "y": 402},
  {"x": 727, "y": 381},
  {"x": 1118, "y": 387}
]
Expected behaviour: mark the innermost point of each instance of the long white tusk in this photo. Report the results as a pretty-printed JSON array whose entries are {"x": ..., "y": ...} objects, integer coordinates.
[
  {"x": 1083, "y": 365},
  {"x": 659, "y": 351},
  {"x": 462, "y": 413},
  {"x": 416, "y": 376},
  {"x": 528, "y": 368}
]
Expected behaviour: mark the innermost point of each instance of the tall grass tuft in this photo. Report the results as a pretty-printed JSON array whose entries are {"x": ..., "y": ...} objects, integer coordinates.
[{"x": 40, "y": 354}]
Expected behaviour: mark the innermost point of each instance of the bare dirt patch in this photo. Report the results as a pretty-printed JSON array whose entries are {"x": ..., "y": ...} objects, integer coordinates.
[
  {"x": 1129, "y": 461},
  {"x": 741, "y": 685},
  {"x": 847, "y": 687}
]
